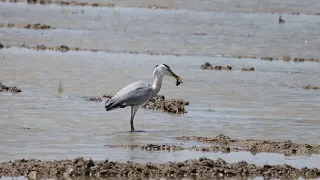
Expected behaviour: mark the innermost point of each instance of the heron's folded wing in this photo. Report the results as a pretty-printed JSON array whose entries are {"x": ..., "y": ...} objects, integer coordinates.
[{"x": 134, "y": 94}]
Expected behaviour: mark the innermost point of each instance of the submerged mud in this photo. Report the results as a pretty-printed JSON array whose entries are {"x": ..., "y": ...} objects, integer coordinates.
[
  {"x": 13, "y": 89},
  {"x": 165, "y": 147},
  {"x": 159, "y": 103},
  {"x": 202, "y": 167},
  {"x": 255, "y": 146},
  {"x": 27, "y": 26},
  {"x": 311, "y": 87}
]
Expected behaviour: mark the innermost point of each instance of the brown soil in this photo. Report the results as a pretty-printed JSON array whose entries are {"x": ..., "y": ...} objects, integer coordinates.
[
  {"x": 255, "y": 146},
  {"x": 27, "y": 26},
  {"x": 311, "y": 87},
  {"x": 210, "y": 67},
  {"x": 248, "y": 69},
  {"x": 202, "y": 167},
  {"x": 9, "y": 89},
  {"x": 166, "y": 105}
]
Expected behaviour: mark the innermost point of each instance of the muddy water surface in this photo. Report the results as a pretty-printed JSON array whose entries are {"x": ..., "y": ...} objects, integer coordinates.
[
  {"x": 125, "y": 29},
  {"x": 42, "y": 123}
]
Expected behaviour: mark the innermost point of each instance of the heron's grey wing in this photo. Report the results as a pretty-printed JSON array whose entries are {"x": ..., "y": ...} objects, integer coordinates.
[{"x": 133, "y": 94}]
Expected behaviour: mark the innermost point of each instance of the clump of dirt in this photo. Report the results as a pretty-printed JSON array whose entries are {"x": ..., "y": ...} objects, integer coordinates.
[
  {"x": 27, "y": 26},
  {"x": 107, "y": 96},
  {"x": 159, "y": 102},
  {"x": 13, "y": 89},
  {"x": 269, "y": 58},
  {"x": 203, "y": 167},
  {"x": 255, "y": 146},
  {"x": 200, "y": 34},
  {"x": 94, "y": 99},
  {"x": 248, "y": 69},
  {"x": 158, "y": 7},
  {"x": 311, "y": 87},
  {"x": 209, "y": 66}
]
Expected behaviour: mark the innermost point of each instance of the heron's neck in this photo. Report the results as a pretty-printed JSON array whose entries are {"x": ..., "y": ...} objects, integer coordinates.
[{"x": 157, "y": 82}]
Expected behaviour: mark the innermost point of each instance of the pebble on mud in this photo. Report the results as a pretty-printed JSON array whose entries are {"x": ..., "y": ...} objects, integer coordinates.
[
  {"x": 209, "y": 66},
  {"x": 94, "y": 99},
  {"x": 311, "y": 87},
  {"x": 159, "y": 102},
  {"x": 255, "y": 146},
  {"x": 248, "y": 69},
  {"x": 203, "y": 167},
  {"x": 13, "y": 89},
  {"x": 1, "y": 46}
]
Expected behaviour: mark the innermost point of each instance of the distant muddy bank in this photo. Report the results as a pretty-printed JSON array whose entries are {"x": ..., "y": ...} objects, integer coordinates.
[
  {"x": 4, "y": 88},
  {"x": 27, "y": 26},
  {"x": 170, "y": 6},
  {"x": 202, "y": 167},
  {"x": 255, "y": 146},
  {"x": 65, "y": 48}
]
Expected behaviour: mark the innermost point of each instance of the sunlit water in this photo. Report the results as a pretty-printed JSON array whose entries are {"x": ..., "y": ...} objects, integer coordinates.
[{"x": 268, "y": 103}]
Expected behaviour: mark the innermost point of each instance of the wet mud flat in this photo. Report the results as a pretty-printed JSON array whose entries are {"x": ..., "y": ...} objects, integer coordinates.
[
  {"x": 159, "y": 103},
  {"x": 202, "y": 167},
  {"x": 255, "y": 146}
]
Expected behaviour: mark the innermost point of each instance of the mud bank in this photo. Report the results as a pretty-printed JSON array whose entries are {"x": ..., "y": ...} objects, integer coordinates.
[
  {"x": 13, "y": 89},
  {"x": 288, "y": 59},
  {"x": 311, "y": 87},
  {"x": 219, "y": 67},
  {"x": 159, "y": 103},
  {"x": 27, "y": 26},
  {"x": 202, "y": 167},
  {"x": 255, "y": 146},
  {"x": 154, "y": 6}
]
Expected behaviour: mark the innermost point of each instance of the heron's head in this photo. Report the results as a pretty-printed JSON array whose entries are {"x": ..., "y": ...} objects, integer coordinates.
[{"x": 163, "y": 69}]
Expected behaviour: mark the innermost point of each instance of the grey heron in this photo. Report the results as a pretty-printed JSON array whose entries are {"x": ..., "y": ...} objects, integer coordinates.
[{"x": 139, "y": 92}]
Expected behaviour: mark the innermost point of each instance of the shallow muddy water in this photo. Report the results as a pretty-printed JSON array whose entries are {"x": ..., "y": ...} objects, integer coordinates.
[
  {"x": 268, "y": 103},
  {"x": 164, "y": 31}
]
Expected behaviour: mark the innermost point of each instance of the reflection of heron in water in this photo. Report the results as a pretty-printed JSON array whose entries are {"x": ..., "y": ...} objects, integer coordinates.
[{"x": 139, "y": 92}]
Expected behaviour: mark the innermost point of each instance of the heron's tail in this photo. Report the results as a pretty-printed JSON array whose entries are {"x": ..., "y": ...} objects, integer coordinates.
[
  {"x": 109, "y": 104},
  {"x": 112, "y": 104}
]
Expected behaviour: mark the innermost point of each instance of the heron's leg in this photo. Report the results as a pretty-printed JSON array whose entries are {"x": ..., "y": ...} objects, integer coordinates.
[
  {"x": 131, "y": 119},
  {"x": 134, "y": 109}
]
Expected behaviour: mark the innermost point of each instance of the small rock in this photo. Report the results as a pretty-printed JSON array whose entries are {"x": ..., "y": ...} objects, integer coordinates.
[
  {"x": 1, "y": 46},
  {"x": 248, "y": 69}
]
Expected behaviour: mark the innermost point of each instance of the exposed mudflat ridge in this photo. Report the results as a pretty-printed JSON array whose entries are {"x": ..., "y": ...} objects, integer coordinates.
[
  {"x": 254, "y": 146},
  {"x": 202, "y": 167}
]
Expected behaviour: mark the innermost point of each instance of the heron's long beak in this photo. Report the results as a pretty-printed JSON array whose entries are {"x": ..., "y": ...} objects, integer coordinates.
[{"x": 176, "y": 76}]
